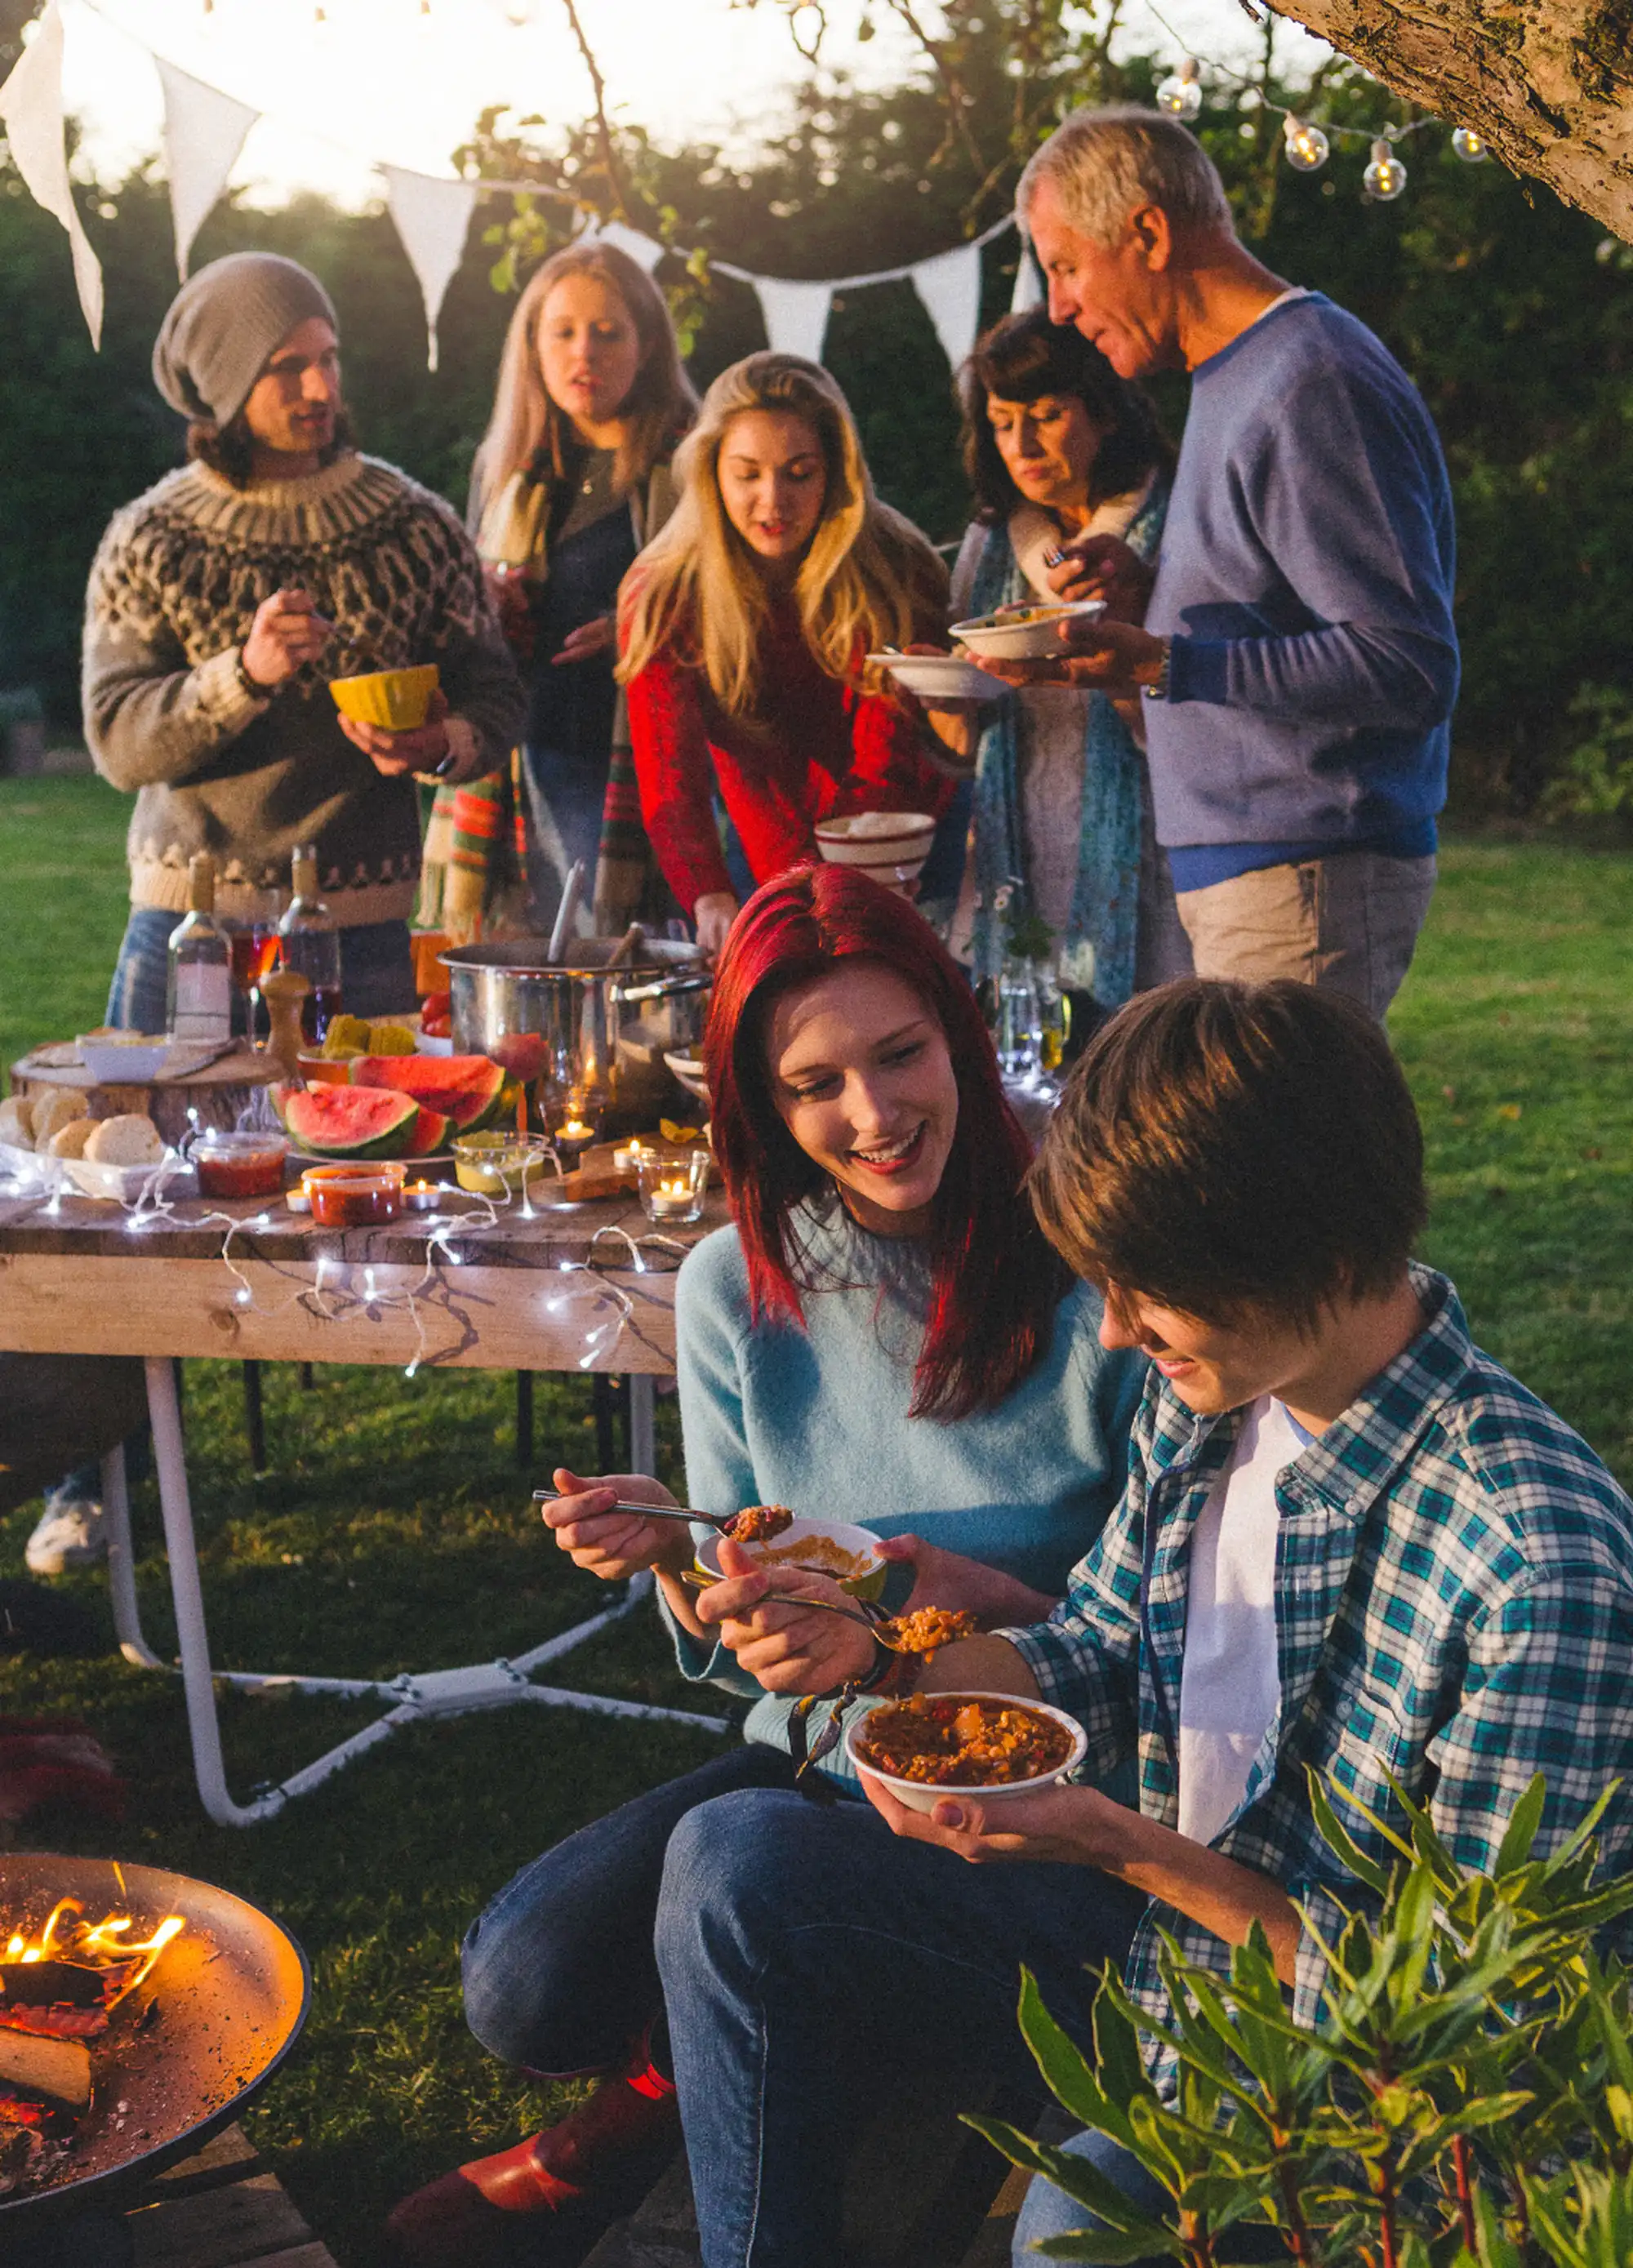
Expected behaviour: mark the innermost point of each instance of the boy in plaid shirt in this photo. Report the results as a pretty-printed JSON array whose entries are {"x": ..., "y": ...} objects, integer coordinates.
[{"x": 1350, "y": 1543}]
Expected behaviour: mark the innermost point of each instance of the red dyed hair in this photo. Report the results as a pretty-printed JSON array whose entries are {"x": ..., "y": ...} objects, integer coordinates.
[{"x": 996, "y": 1283}]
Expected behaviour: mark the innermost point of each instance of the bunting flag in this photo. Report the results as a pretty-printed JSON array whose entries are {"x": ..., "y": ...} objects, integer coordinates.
[
  {"x": 433, "y": 219},
  {"x": 1029, "y": 291},
  {"x": 796, "y": 315},
  {"x": 950, "y": 287},
  {"x": 204, "y": 130},
  {"x": 31, "y": 110},
  {"x": 645, "y": 251}
]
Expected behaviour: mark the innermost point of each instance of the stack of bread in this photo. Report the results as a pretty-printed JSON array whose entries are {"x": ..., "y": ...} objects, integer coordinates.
[{"x": 59, "y": 1125}]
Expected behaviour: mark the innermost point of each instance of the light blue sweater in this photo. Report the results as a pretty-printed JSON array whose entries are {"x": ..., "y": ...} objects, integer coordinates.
[{"x": 817, "y": 1419}]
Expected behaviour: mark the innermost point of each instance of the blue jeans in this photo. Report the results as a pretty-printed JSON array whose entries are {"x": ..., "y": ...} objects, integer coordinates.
[
  {"x": 565, "y": 800},
  {"x": 1049, "y": 2212},
  {"x": 809, "y": 1960},
  {"x": 376, "y": 970},
  {"x": 560, "y": 1976}
]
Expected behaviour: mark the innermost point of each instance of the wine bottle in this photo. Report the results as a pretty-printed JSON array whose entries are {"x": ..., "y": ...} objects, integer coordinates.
[
  {"x": 308, "y": 941},
  {"x": 198, "y": 997}
]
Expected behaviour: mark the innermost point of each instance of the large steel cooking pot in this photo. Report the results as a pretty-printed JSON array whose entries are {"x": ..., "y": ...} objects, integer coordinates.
[{"x": 578, "y": 1022}]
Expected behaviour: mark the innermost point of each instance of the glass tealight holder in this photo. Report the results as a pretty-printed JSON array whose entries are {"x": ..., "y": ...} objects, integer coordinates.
[{"x": 672, "y": 1188}]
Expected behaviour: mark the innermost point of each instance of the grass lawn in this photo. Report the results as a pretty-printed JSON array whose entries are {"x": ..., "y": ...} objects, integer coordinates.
[{"x": 395, "y": 1529}]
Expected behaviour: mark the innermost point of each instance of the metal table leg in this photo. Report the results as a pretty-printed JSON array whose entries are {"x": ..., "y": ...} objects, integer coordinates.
[
  {"x": 121, "y": 1572},
  {"x": 416, "y": 1699}
]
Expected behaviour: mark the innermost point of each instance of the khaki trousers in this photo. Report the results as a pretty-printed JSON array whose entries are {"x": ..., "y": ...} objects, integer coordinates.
[{"x": 1346, "y": 924}]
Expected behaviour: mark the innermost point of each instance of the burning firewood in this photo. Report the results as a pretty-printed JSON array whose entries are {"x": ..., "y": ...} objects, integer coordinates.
[{"x": 57, "y": 2070}]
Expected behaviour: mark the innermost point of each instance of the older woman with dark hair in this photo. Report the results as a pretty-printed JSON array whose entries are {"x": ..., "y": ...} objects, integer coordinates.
[{"x": 1058, "y": 448}]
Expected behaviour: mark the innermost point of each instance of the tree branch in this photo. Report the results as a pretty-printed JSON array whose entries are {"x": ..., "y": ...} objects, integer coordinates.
[{"x": 603, "y": 124}]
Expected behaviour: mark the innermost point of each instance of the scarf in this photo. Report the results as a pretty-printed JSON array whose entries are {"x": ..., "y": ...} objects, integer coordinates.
[
  {"x": 474, "y": 868},
  {"x": 1096, "y": 951}
]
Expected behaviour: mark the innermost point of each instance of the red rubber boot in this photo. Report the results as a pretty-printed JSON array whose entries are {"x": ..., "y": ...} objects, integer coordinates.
[{"x": 490, "y": 2210}]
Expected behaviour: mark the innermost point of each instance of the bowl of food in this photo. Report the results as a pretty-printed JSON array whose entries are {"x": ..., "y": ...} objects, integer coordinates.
[
  {"x": 1021, "y": 633},
  {"x": 938, "y": 677},
  {"x": 396, "y": 700},
  {"x": 892, "y": 846},
  {"x": 986, "y": 1745},
  {"x": 836, "y": 1548}
]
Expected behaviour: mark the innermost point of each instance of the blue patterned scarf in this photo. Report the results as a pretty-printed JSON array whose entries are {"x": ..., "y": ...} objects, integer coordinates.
[{"x": 1096, "y": 953}]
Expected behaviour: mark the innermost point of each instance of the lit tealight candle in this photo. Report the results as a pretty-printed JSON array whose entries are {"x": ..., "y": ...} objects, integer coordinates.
[
  {"x": 631, "y": 1156},
  {"x": 576, "y": 1131},
  {"x": 423, "y": 1196}
]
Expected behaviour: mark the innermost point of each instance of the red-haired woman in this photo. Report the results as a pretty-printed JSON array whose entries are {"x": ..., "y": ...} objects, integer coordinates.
[{"x": 884, "y": 1336}]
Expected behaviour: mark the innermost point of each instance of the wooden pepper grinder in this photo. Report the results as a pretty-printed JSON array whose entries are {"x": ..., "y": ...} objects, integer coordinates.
[{"x": 285, "y": 991}]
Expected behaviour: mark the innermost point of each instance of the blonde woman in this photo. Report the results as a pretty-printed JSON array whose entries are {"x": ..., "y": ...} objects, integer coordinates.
[
  {"x": 570, "y": 480},
  {"x": 743, "y": 630}
]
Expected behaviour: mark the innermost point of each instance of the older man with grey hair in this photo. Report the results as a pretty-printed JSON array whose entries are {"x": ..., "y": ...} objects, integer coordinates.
[{"x": 1297, "y": 663}]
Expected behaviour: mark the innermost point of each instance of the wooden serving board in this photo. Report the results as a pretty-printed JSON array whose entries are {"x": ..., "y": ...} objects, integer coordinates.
[{"x": 218, "y": 1092}]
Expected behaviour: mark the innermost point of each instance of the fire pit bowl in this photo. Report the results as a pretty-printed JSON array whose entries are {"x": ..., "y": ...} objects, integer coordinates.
[{"x": 193, "y": 2042}]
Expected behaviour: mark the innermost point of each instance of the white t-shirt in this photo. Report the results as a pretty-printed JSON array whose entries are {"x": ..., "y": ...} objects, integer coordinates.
[{"x": 1229, "y": 1683}]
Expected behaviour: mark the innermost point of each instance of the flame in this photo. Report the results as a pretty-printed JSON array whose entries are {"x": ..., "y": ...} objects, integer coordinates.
[{"x": 68, "y": 1936}]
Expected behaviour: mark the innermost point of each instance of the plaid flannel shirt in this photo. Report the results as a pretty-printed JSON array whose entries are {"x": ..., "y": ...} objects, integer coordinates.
[{"x": 1453, "y": 1605}]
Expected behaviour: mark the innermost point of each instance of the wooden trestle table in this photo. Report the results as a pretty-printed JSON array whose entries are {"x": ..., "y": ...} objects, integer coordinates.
[{"x": 539, "y": 1293}]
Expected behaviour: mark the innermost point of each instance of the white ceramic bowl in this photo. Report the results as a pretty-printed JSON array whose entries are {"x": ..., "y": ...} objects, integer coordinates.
[
  {"x": 867, "y": 1583},
  {"x": 919, "y": 1795},
  {"x": 935, "y": 677},
  {"x": 892, "y": 846},
  {"x": 1028, "y": 634},
  {"x": 134, "y": 1061},
  {"x": 690, "y": 1072},
  {"x": 125, "y": 1184}
]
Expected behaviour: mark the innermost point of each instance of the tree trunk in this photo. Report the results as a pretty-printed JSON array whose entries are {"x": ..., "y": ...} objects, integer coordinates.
[{"x": 1549, "y": 82}]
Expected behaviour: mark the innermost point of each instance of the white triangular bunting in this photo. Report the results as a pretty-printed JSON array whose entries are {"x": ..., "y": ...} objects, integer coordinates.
[
  {"x": 950, "y": 287},
  {"x": 1029, "y": 291},
  {"x": 796, "y": 315},
  {"x": 645, "y": 251},
  {"x": 204, "y": 130},
  {"x": 30, "y": 111},
  {"x": 433, "y": 219}
]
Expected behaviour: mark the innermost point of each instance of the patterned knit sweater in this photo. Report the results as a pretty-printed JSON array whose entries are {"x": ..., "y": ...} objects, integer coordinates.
[{"x": 174, "y": 591}]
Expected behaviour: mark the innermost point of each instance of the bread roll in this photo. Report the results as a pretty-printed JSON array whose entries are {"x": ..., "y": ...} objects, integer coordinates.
[
  {"x": 70, "y": 1141},
  {"x": 16, "y": 1122},
  {"x": 130, "y": 1139},
  {"x": 56, "y": 1110}
]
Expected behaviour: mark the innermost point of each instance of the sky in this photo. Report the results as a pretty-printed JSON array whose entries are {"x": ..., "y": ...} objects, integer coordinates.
[{"x": 402, "y": 81}]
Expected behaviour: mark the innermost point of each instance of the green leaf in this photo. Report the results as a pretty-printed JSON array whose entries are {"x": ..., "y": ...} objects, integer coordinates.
[
  {"x": 1521, "y": 1831},
  {"x": 1066, "y": 2069},
  {"x": 1341, "y": 1843},
  {"x": 1083, "y": 2183}
]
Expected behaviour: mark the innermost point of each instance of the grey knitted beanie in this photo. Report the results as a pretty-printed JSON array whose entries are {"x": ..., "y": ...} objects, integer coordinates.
[{"x": 224, "y": 325}]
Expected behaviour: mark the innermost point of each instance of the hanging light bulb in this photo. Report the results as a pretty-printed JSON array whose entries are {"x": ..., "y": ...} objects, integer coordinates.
[
  {"x": 1307, "y": 148},
  {"x": 1385, "y": 178},
  {"x": 1181, "y": 96},
  {"x": 1469, "y": 146}
]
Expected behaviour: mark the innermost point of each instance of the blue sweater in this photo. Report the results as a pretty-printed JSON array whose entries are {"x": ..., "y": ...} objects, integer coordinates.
[
  {"x": 817, "y": 1419},
  {"x": 1306, "y": 581}
]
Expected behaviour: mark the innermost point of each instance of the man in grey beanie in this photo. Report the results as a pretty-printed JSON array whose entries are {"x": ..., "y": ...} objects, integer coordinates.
[
  {"x": 223, "y": 601},
  {"x": 221, "y": 604}
]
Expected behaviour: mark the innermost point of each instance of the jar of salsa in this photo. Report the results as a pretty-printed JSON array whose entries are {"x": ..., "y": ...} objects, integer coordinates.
[
  {"x": 354, "y": 1197},
  {"x": 239, "y": 1165}
]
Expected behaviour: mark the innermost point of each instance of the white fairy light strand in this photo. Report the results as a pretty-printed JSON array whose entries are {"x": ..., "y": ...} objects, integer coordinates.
[{"x": 1306, "y": 145}]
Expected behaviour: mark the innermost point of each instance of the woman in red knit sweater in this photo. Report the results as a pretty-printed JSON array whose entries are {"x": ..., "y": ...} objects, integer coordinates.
[{"x": 743, "y": 627}]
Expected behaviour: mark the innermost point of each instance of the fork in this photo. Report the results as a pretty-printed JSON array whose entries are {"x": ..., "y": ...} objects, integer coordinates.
[
  {"x": 721, "y": 1522},
  {"x": 871, "y": 1618}
]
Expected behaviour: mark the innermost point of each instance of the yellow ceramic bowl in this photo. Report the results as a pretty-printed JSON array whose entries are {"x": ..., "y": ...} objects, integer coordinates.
[{"x": 396, "y": 700}]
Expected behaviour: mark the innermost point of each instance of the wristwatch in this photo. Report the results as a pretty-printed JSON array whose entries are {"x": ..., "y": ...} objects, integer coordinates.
[
  {"x": 247, "y": 683},
  {"x": 1158, "y": 689}
]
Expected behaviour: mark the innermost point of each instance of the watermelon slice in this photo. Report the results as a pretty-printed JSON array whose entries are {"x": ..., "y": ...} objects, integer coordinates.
[
  {"x": 468, "y": 1089},
  {"x": 433, "y": 1130},
  {"x": 347, "y": 1122}
]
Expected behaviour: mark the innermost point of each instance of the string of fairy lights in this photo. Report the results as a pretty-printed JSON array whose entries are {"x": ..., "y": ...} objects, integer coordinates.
[{"x": 1308, "y": 147}]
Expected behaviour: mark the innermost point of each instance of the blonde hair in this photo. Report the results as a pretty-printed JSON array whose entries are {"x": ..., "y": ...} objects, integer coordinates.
[
  {"x": 526, "y": 426},
  {"x": 866, "y": 581}
]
